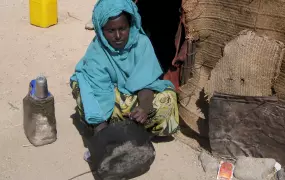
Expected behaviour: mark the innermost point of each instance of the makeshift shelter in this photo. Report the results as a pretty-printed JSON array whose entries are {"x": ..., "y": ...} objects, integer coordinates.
[
  {"x": 209, "y": 26},
  {"x": 234, "y": 47}
]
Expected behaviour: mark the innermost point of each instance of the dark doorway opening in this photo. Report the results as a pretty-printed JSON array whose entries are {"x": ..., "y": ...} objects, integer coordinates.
[{"x": 160, "y": 20}]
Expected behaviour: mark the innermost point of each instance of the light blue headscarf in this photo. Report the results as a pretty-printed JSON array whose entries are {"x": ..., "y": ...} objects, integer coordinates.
[{"x": 103, "y": 68}]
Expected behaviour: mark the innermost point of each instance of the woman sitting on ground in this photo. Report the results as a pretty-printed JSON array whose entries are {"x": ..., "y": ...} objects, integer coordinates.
[{"x": 118, "y": 78}]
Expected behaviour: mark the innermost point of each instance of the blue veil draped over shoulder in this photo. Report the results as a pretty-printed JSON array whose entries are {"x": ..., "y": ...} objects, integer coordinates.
[{"x": 103, "y": 68}]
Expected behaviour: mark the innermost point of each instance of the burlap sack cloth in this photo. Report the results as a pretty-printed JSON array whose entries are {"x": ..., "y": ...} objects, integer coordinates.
[
  {"x": 39, "y": 120},
  {"x": 217, "y": 22}
]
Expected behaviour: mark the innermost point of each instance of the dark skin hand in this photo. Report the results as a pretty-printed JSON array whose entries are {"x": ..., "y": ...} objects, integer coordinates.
[{"x": 140, "y": 113}]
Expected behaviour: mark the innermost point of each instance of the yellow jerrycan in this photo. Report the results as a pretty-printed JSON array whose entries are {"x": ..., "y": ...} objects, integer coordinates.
[{"x": 43, "y": 13}]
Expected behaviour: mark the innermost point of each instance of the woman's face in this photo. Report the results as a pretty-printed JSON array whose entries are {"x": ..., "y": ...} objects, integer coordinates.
[{"x": 116, "y": 31}]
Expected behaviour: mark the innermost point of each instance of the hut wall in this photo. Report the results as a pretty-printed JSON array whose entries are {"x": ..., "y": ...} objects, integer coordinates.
[{"x": 217, "y": 22}]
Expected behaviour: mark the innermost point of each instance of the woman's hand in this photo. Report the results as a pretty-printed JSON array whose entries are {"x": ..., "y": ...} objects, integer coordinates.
[{"x": 139, "y": 115}]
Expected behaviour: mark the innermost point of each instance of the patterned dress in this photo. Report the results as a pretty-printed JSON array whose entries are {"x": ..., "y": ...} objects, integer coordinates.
[{"x": 163, "y": 121}]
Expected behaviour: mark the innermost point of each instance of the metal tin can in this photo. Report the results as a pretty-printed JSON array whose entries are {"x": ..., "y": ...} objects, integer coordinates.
[{"x": 41, "y": 89}]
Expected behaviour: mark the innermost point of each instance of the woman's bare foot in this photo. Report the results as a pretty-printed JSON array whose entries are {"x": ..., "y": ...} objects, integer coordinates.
[
  {"x": 89, "y": 25},
  {"x": 87, "y": 157}
]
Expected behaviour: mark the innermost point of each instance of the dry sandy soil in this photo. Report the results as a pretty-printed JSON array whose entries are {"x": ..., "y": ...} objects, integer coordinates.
[{"x": 27, "y": 51}]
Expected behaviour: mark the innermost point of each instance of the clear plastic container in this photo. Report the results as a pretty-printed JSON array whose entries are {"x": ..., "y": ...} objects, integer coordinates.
[{"x": 43, "y": 13}]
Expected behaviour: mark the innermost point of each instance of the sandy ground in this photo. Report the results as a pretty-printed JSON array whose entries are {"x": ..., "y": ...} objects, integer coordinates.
[{"x": 25, "y": 52}]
